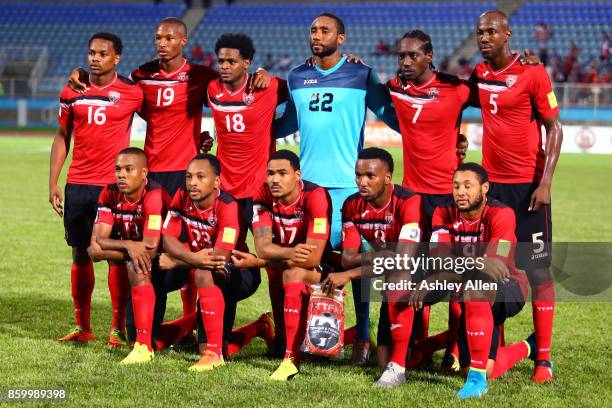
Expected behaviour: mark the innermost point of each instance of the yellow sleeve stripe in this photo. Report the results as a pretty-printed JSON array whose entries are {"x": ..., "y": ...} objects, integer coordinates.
[
  {"x": 552, "y": 100},
  {"x": 229, "y": 235},
  {"x": 154, "y": 222},
  {"x": 320, "y": 226}
]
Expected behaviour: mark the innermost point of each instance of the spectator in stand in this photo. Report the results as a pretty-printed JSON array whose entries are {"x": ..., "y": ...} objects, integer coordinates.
[
  {"x": 570, "y": 60},
  {"x": 268, "y": 63},
  {"x": 285, "y": 63},
  {"x": 604, "y": 55},
  {"x": 381, "y": 48},
  {"x": 209, "y": 60},
  {"x": 197, "y": 54}
]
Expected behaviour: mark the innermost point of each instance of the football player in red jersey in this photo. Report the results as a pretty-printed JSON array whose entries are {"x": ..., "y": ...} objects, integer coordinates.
[
  {"x": 481, "y": 228},
  {"x": 383, "y": 214},
  {"x": 99, "y": 121},
  {"x": 243, "y": 121},
  {"x": 291, "y": 230},
  {"x": 127, "y": 232},
  {"x": 429, "y": 105},
  {"x": 516, "y": 101},
  {"x": 174, "y": 92},
  {"x": 208, "y": 217}
]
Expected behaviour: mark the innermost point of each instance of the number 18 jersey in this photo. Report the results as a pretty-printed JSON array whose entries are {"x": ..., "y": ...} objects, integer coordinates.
[{"x": 243, "y": 122}]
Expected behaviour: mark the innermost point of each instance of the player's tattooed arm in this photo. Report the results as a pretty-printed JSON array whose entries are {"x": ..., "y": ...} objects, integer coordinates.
[
  {"x": 554, "y": 138},
  {"x": 79, "y": 80},
  {"x": 59, "y": 152},
  {"x": 307, "y": 255},
  {"x": 268, "y": 250},
  {"x": 203, "y": 259}
]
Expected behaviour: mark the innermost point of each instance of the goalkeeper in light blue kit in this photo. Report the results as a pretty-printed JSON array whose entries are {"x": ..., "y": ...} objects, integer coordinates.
[{"x": 327, "y": 104}]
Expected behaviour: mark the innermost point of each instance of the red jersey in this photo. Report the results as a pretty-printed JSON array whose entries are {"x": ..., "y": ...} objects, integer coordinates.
[
  {"x": 173, "y": 112},
  {"x": 495, "y": 227},
  {"x": 308, "y": 217},
  {"x": 513, "y": 102},
  {"x": 215, "y": 226},
  {"x": 430, "y": 116},
  {"x": 398, "y": 221},
  {"x": 133, "y": 220},
  {"x": 100, "y": 120},
  {"x": 243, "y": 122}
]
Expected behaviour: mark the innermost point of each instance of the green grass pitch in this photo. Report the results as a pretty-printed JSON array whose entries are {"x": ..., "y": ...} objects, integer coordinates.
[{"x": 36, "y": 308}]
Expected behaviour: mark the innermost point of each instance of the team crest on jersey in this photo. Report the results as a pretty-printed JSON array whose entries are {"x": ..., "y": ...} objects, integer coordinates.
[
  {"x": 510, "y": 80},
  {"x": 182, "y": 76},
  {"x": 389, "y": 219},
  {"x": 248, "y": 98},
  {"x": 299, "y": 213},
  {"x": 114, "y": 96},
  {"x": 433, "y": 92},
  {"x": 212, "y": 220}
]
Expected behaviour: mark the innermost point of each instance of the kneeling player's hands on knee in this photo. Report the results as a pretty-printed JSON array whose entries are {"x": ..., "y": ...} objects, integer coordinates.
[
  {"x": 244, "y": 260},
  {"x": 206, "y": 260},
  {"x": 206, "y": 142},
  {"x": 301, "y": 252},
  {"x": 496, "y": 269},
  {"x": 333, "y": 281},
  {"x": 138, "y": 253}
]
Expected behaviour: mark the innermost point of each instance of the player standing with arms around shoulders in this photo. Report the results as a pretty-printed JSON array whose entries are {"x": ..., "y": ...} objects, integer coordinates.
[
  {"x": 99, "y": 121},
  {"x": 328, "y": 103},
  {"x": 516, "y": 100}
]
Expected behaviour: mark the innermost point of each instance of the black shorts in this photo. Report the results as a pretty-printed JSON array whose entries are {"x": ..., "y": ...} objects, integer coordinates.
[
  {"x": 80, "y": 210},
  {"x": 509, "y": 302},
  {"x": 245, "y": 220},
  {"x": 430, "y": 202},
  {"x": 533, "y": 229},
  {"x": 240, "y": 285},
  {"x": 171, "y": 181}
]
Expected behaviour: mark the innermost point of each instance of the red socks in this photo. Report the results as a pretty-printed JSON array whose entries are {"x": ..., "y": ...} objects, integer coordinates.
[
  {"x": 277, "y": 299},
  {"x": 423, "y": 349},
  {"x": 212, "y": 305},
  {"x": 143, "y": 300},
  {"x": 454, "y": 315},
  {"x": 82, "y": 281},
  {"x": 479, "y": 330},
  {"x": 293, "y": 312},
  {"x": 118, "y": 286},
  {"x": 173, "y": 331},
  {"x": 401, "y": 316},
  {"x": 189, "y": 296},
  {"x": 507, "y": 357},
  {"x": 243, "y": 335},
  {"x": 543, "y": 305}
]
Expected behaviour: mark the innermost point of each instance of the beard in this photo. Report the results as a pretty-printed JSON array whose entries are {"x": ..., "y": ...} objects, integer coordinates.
[
  {"x": 325, "y": 52},
  {"x": 476, "y": 204}
]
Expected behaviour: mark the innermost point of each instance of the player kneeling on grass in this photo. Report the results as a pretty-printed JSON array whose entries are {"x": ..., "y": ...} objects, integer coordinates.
[
  {"x": 383, "y": 214},
  {"x": 291, "y": 230},
  {"x": 480, "y": 227},
  {"x": 127, "y": 232},
  {"x": 208, "y": 217}
]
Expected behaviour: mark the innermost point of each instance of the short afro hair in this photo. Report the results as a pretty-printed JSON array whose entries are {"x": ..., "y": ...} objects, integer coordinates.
[
  {"x": 237, "y": 41},
  {"x": 210, "y": 158},
  {"x": 372, "y": 153},
  {"x": 338, "y": 20},
  {"x": 480, "y": 172},
  {"x": 113, "y": 38},
  {"x": 286, "y": 155}
]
